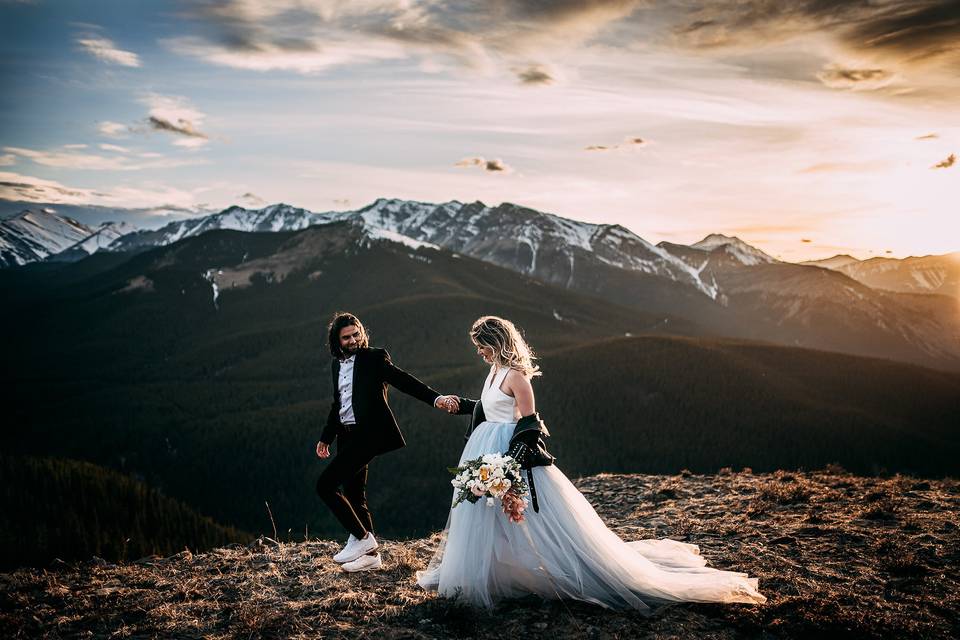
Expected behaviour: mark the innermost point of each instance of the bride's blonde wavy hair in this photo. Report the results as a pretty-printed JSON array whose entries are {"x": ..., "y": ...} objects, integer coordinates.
[{"x": 509, "y": 347}]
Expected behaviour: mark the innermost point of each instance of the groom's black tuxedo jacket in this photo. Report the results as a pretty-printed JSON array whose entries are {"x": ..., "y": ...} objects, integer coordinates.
[{"x": 376, "y": 426}]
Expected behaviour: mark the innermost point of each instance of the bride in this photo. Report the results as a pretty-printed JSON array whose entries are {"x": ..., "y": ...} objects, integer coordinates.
[{"x": 564, "y": 550}]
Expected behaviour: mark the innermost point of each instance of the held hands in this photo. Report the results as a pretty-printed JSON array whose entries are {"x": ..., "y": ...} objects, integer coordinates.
[
  {"x": 323, "y": 450},
  {"x": 450, "y": 404}
]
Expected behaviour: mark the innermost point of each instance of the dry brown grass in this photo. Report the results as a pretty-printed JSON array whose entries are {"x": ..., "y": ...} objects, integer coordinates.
[{"x": 837, "y": 555}]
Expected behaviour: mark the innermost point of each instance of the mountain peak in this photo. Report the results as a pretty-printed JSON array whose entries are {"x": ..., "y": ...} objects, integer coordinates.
[
  {"x": 714, "y": 240},
  {"x": 737, "y": 248},
  {"x": 836, "y": 262},
  {"x": 34, "y": 235}
]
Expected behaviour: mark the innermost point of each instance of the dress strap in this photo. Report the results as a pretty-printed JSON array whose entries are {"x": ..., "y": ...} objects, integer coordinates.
[{"x": 498, "y": 378}]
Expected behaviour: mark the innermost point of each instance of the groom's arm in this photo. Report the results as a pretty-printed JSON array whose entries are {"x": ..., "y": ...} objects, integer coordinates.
[
  {"x": 330, "y": 430},
  {"x": 407, "y": 383},
  {"x": 466, "y": 406},
  {"x": 333, "y": 419}
]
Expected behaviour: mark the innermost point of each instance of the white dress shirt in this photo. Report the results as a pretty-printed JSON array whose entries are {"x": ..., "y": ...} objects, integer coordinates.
[{"x": 345, "y": 387}]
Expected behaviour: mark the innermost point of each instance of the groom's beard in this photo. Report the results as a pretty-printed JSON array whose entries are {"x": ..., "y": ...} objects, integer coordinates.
[{"x": 349, "y": 351}]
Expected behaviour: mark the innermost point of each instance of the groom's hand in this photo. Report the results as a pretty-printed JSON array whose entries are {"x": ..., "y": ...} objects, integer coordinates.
[
  {"x": 323, "y": 449},
  {"x": 449, "y": 403}
]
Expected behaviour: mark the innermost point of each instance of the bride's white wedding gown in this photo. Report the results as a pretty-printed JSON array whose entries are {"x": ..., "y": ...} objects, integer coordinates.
[{"x": 565, "y": 550}]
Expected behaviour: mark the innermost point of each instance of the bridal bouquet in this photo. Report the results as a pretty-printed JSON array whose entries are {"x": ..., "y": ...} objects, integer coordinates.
[{"x": 493, "y": 476}]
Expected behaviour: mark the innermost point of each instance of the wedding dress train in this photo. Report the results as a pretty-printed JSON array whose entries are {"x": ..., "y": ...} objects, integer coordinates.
[{"x": 565, "y": 550}]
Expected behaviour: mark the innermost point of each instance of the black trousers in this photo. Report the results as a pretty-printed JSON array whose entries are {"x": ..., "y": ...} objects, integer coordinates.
[{"x": 343, "y": 484}]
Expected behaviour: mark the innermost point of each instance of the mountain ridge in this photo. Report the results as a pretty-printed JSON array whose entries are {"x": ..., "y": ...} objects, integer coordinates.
[
  {"x": 31, "y": 235},
  {"x": 190, "y": 379}
]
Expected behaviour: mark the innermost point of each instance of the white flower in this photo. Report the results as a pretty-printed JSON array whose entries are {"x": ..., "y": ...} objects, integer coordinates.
[{"x": 489, "y": 502}]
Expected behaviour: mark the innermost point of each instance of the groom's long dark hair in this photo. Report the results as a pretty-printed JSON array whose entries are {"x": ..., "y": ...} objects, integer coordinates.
[{"x": 340, "y": 320}]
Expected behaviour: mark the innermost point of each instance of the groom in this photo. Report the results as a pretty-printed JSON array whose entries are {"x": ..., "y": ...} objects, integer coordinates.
[{"x": 364, "y": 427}]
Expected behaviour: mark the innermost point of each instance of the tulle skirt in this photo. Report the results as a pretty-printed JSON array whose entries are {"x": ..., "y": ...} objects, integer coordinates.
[{"x": 565, "y": 551}]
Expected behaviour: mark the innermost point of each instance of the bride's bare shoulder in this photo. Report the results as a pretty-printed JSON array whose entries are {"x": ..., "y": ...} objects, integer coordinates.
[{"x": 518, "y": 378}]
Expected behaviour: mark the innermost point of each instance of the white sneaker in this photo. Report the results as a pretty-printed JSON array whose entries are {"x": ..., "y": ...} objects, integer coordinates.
[
  {"x": 358, "y": 548},
  {"x": 364, "y": 563},
  {"x": 341, "y": 556}
]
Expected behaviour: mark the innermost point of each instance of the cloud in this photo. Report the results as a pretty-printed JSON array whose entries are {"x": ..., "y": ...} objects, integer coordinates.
[
  {"x": 836, "y": 167},
  {"x": 929, "y": 136},
  {"x": 16, "y": 187},
  {"x": 73, "y": 159},
  {"x": 175, "y": 115},
  {"x": 113, "y": 129},
  {"x": 627, "y": 143},
  {"x": 493, "y": 165},
  {"x": 114, "y": 147},
  {"x": 836, "y": 76},
  {"x": 267, "y": 56},
  {"x": 106, "y": 50},
  {"x": 904, "y": 31},
  {"x": 251, "y": 199},
  {"x": 946, "y": 163},
  {"x": 534, "y": 75},
  {"x": 7, "y": 160},
  {"x": 307, "y": 36},
  {"x": 183, "y": 127}
]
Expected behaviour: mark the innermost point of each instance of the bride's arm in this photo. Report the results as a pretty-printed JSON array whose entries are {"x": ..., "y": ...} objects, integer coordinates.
[{"x": 518, "y": 386}]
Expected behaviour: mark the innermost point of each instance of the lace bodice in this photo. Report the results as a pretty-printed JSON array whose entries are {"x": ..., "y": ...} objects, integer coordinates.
[{"x": 497, "y": 405}]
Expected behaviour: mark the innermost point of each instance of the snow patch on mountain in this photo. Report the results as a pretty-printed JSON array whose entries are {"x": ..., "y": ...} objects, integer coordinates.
[
  {"x": 392, "y": 236},
  {"x": 274, "y": 218},
  {"x": 31, "y": 235},
  {"x": 743, "y": 252},
  {"x": 101, "y": 238}
]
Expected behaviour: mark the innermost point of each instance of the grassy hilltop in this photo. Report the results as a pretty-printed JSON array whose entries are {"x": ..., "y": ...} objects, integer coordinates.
[{"x": 836, "y": 555}]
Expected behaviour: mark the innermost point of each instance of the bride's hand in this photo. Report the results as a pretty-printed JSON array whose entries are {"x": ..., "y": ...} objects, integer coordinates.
[
  {"x": 451, "y": 404},
  {"x": 323, "y": 449}
]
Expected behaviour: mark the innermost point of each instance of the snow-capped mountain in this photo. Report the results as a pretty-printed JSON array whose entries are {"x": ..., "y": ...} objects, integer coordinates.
[
  {"x": 737, "y": 248},
  {"x": 548, "y": 247},
  {"x": 277, "y": 217},
  {"x": 101, "y": 238},
  {"x": 722, "y": 284},
  {"x": 836, "y": 262},
  {"x": 32, "y": 235},
  {"x": 926, "y": 274}
]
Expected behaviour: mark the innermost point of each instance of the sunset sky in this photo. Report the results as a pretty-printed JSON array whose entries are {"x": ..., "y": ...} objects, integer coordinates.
[{"x": 805, "y": 128}]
